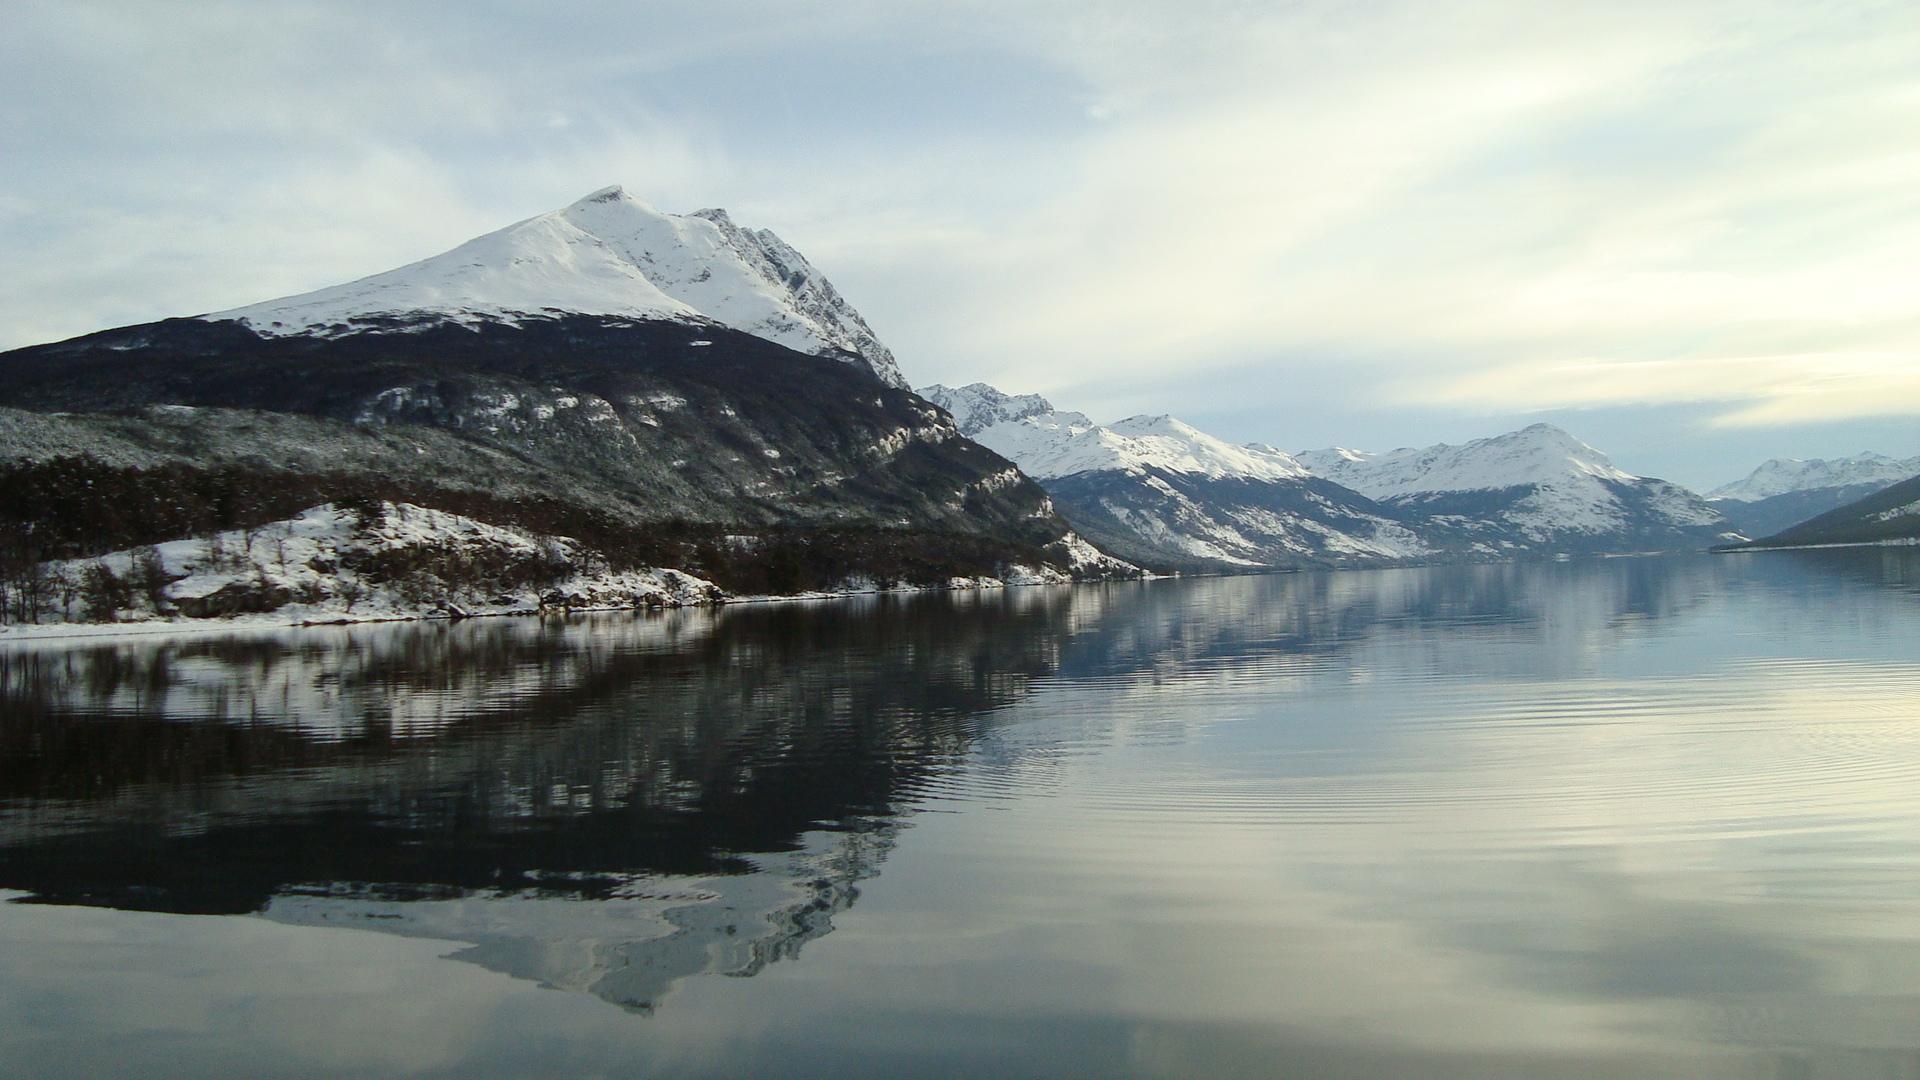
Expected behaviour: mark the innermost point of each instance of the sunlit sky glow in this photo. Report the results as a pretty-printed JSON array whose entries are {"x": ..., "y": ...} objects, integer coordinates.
[{"x": 1685, "y": 232}]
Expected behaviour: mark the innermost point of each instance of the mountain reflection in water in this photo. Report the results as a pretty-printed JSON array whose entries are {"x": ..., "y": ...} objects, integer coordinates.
[
  {"x": 713, "y": 782},
  {"x": 614, "y": 804}
]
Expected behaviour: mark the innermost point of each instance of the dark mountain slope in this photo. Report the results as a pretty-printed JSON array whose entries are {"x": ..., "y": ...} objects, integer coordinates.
[
  {"x": 631, "y": 425},
  {"x": 734, "y": 429},
  {"x": 1891, "y": 514},
  {"x": 1764, "y": 517}
]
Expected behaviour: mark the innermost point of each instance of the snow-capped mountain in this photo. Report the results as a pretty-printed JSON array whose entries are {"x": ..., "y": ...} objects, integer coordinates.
[
  {"x": 669, "y": 393},
  {"x": 977, "y": 406},
  {"x": 1540, "y": 454},
  {"x": 1055, "y": 444},
  {"x": 1156, "y": 490},
  {"x": 1781, "y": 476},
  {"x": 1785, "y": 492},
  {"x": 610, "y": 255},
  {"x": 1533, "y": 489},
  {"x": 1047, "y": 443}
]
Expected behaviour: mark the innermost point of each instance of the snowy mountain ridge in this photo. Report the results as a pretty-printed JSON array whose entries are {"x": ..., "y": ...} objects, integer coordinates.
[
  {"x": 1156, "y": 488},
  {"x": 1055, "y": 444},
  {"x": 607, "y": 254},
  {"x": 1539, "y": 454},
  {"x": 1160, "y": 491},
  {"x": 1782, "y": 476},
  {"x": 977, "y": 406},
  {"x": 1538, "y": 486}
]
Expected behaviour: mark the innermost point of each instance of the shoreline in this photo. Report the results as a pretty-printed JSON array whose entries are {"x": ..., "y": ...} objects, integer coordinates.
[
  {"x": 66, "y": 632},
  {"x": 1751, "y": 549},
  {"x": 39, "y": 633}
]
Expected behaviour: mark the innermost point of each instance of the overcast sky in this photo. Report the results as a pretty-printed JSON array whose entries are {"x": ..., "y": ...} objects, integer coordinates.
[{"x": 1687, "y": 232}]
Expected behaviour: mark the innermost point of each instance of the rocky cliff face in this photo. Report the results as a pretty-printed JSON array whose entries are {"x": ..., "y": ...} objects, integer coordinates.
[{"x": 976, "y": 407}]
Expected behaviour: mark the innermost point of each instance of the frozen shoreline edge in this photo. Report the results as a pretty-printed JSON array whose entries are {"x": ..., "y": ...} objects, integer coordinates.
[{"x": 34, "y": 634}]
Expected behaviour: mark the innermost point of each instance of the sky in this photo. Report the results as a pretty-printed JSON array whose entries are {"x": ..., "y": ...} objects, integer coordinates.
[{"x": 1685, "y": 231}]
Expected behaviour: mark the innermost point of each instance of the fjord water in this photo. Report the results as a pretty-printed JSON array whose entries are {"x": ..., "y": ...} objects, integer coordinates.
[{"x": 1629, "y": 817}]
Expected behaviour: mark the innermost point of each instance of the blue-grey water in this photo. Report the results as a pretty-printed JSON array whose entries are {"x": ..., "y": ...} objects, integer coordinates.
[{"x": 1621, "y": 818}]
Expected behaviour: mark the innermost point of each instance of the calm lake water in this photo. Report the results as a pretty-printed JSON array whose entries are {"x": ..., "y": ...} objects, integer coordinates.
[{"x": 1637, "y": 817}]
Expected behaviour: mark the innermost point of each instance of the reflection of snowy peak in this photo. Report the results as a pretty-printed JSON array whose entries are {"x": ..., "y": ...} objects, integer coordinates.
[
  {"x": 1541, "y": 454},
  {"x": 977, "y": 406},
  {"x": 1782, "y": 476},
  {"x": 1534, "y": 489},
  {"x": 609, "y": 255},
  {"x": 653, "y": 932}
]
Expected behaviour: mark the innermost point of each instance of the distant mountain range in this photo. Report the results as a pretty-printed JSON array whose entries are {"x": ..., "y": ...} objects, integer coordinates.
[
  {"x": 1530, "y": 490},
  {"x": 1785, "y": 492},
  {"x": 1888, "y": 515},
  {"x": 1161, "y": 492},
  {"x": 1156, "y": 491}
]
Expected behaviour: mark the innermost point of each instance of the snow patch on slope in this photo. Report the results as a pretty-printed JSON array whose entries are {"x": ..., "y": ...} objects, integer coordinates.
[
  {"x": 1089, "y": 562},
  {"x": 1897, "y": 512},
  {"x": 1563, "y": 507},
  {"x": 607, "y": 254}
]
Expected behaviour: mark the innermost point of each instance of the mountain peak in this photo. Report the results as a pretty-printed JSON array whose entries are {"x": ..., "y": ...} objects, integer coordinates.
[
  {"x": 1779, "y": 476},
  {"x": 1548, "y": 433},
  {"x": 1341, "y": 453},
  {"x": 610, "y": 193},
  {"x": 1536, "y": 454},
  {"x": 1165, "y": 425},
  {"x": 1052, "y": 444},
  {"x": 606, "y": 254},
  {"x": 978, "y": 406}
]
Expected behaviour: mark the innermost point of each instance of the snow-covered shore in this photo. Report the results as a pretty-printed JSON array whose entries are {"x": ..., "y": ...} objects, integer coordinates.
[{"x": 333, "y": 565}]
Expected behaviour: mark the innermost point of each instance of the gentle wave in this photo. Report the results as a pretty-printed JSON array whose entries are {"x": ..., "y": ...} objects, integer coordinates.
[{"x": 1760, "y": 747}]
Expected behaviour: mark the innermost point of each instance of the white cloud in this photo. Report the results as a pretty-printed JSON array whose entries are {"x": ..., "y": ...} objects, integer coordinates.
[
  {"x": 1756, "y": 390},
  {"x": 1455, "y": 198},
  {"x": 1412, "y": 187}
]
